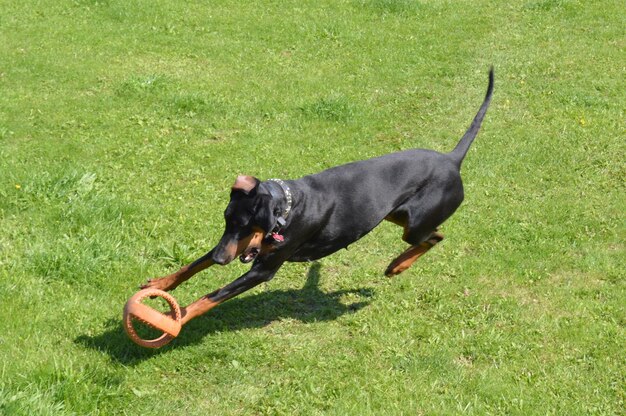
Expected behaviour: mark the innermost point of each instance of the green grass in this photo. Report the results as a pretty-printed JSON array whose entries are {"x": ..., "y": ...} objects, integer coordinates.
[{"x": 123, "y": 125}]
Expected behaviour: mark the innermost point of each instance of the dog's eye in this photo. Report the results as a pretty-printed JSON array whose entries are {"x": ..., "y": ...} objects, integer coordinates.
[{"x": 240, "y": 221}]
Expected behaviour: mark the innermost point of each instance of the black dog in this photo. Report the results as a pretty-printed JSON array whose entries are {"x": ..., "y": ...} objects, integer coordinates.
[{"x": 275, "y": 221}]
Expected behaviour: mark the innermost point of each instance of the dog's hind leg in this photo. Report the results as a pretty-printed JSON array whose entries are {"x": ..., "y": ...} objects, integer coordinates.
[
  {"x": 421, "y": 215},
  {"x": 408, "y": 257}
]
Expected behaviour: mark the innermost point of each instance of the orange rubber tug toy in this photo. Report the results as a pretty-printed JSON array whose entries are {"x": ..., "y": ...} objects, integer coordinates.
[{"x": 170, "y": 324}]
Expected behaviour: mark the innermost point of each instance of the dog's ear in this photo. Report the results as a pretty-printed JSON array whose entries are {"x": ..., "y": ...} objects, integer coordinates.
[
  {"x": 246, "y": 184},
  {"x": 263, "y": 212}
]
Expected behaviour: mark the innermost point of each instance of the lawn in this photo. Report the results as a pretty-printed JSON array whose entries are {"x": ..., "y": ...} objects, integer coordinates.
[{"x": 123, "y": 125}]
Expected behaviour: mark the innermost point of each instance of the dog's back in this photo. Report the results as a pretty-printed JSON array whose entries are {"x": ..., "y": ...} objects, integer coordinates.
[{"x": 418, "y": 189}]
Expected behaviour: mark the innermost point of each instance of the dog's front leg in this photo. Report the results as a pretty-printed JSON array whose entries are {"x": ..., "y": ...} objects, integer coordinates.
[
  {"x": 258, "y": 274},
  {"x": 171, "y": 281}
]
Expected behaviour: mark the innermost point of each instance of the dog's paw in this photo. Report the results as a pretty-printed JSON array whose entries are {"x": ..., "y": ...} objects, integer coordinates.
[{"x": 395, "y": 269}]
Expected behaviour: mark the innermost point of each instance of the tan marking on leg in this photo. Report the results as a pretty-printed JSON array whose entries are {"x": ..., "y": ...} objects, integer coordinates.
[
  {"x": 408, "y": 257},
  {"x": 199, "y": 307},
  {"x": 405, "y": 260},
  {"x": 171, "y": 281}
]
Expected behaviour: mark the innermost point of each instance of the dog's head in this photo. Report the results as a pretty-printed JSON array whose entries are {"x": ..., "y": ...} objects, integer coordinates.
[{"x": 249, "y": 216}]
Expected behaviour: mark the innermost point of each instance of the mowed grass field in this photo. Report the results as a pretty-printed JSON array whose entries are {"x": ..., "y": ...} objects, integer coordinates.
[{"x": 124, "y": 124}]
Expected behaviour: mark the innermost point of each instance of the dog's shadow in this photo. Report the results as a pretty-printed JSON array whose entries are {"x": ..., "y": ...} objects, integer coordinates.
[{"x": 306, "y": 305}]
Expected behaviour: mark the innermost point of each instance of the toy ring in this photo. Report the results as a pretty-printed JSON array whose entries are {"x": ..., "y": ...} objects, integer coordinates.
[{"x": 170, "y": 325}]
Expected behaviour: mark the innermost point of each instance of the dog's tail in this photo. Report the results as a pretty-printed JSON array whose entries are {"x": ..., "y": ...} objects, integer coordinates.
[{"x": 458, "y": 154}]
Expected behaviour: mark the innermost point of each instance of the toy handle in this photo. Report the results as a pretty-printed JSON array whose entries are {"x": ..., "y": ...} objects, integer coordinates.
[{"x": 170, "y": 325}]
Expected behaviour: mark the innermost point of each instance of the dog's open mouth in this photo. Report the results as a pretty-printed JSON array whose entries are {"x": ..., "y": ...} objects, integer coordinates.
[{"x": 249, "y": 254}]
